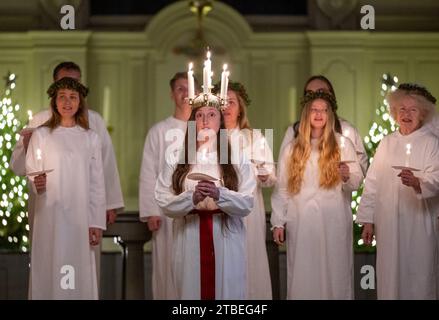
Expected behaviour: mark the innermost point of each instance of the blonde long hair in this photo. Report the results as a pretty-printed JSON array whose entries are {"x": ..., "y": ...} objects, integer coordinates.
[{"x": 328, "y": 148}]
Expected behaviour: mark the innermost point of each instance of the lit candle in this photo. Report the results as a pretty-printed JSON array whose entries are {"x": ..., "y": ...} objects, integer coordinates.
[
  {"x": 223, "y": 92},
  {"x": 408, "y": 151},
  {"x": 207, "y": 74},
  {"x": 191, "y": 83},
  {"x": 39, "y": 159},
  {"x": 29, "y": 112}
]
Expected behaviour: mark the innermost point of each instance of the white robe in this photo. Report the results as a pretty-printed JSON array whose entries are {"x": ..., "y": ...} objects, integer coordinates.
[
  {"x": 349, "y": 131},
  {"x": 229, "y": 238},
  {"x": 258, "y": 271},
  {"x": 73, "y": 202},
  {"x": 405, "y": 222},
  {"x": 113, "y": 192},
  {"x": 154, "y": 153},
  {"x": 318, "y": 226},
  {"x": 433, "y": 125}
]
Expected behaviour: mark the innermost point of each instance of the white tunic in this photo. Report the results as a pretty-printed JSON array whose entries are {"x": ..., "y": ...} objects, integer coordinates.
[
  {"x": 228, "y": 237},
  {"x": 318, "y": 230},
  {"x": 348, "y": 131},
  {"x": 73, "y": 202},
  {"x": 113, "y": 192},
  {"x": 258, "y": 271},
  {"x": 405, "y": 222},
  {"x": 154, "y": 153}
]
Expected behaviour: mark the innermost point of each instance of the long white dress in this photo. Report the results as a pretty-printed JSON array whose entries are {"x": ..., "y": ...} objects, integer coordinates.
[
  {"x": 349, "y": 131},
  {"x": 154, "y": 154},
  {"x": 257, "y": 149},
  {"x": 113, "y": 192},
  {"x": 73, "y": 202},
  {"x": 405, "y": 222},
  {"x": 318, "y": 226},
  {"x": 228, "y": 234}
]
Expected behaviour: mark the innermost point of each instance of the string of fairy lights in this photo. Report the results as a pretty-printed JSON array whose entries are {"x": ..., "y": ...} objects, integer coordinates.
[
  {"x": 382, "y": 126},
  {"x": 14, "y": 225}
]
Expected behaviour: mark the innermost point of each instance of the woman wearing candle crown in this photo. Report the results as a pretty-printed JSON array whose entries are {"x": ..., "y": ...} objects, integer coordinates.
[
  {"x": 209, "y": 248},
  {"x": 70, "y": 211},
  {"x": 312, "y": 202},
  {"x": 400, "y": 206},
  {"x": 256, "y": 148}
]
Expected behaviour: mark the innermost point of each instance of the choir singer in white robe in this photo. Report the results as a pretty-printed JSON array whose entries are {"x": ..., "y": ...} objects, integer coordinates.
[
  {"x": 160, "y": 137},
  {"x": 70, "y": 200},
  {"x": 256, "y": 148},
  {"x": 209, "y": 257},
  {"x": 342, "y": 126},
  {"x": 113, "y": 192},
  {"x": 318, "y": 171},
  {"x": 399, "y": 202}
]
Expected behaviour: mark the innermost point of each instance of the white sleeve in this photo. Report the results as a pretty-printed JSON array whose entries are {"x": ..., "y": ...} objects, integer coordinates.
[
  {"x": 429, "y": 179},
  {"x": 355, "y": 172},
  {"x": 18, "y": 157},
  {"x": 239, "y": 203},
  {"x": 366, "y": 209},
  {"x": 148, "y": 176},
  {"x": 113, "y": 192},
  {"x": 97, "y": 217},
  {"x": 173, "y": 205},
  {"x": 288, "y": 137},
  {"x": 280, "y": 195},
  {"x": 32, "y": 163}
]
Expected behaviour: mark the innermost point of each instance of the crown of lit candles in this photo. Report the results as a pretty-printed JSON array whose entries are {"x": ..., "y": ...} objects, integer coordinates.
[{"x": 207, "y": 98}]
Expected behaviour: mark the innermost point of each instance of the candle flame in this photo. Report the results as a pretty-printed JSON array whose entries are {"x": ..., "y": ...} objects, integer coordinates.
[
  {"x": 191, "y": 65},
  {"x": 208, "y": 54},
  {"x": 225, "y": 66}
]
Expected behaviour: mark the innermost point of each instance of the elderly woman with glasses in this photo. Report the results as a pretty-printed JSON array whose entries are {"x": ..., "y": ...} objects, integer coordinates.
[{"x": 399, "y": 203}]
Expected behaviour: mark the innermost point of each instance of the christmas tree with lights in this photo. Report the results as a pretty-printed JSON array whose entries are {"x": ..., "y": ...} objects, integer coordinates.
[
  {"x": 14, "y": 226},
  {"x": 382, "y": 126}
]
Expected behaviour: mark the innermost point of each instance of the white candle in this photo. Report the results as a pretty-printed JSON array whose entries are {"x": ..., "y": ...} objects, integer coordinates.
[
  {"x": 205, "y": 81},
  {"x": 191, "y": 83},
  {"x": 408, "y": 151},
  {"x": 106, "y": 108},
  {"x": 40, "y": 159},
  {"x": 29, "y": 112},
  {"x": 208, "y": 65},
  {"x": 223, "y": 92}
]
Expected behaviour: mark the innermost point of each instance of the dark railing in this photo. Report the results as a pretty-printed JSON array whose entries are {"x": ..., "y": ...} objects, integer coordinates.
[{"x": 132, "y": 236}]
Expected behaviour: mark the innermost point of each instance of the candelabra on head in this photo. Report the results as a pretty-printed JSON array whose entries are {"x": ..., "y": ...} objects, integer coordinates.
[{"x": 207, "y": 98}]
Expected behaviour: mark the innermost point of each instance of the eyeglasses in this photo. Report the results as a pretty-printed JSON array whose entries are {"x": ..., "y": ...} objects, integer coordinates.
[{"x": 408, "y": 110}]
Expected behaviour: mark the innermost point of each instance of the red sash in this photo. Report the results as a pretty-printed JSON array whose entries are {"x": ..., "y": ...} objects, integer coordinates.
[{"x": 207, "y": 253}]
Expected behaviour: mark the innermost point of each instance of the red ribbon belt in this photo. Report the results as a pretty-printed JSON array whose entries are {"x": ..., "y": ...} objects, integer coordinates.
[{"x": 207, "y": 253}]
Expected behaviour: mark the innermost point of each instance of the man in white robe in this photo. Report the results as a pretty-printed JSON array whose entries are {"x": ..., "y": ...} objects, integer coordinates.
[{"x": 154, "y": 153}]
